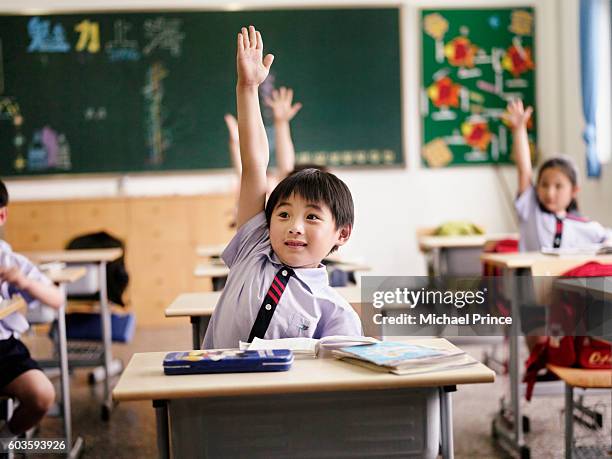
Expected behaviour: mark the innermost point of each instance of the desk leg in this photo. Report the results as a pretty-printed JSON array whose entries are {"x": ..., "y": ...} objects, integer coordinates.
[
  {"x": 195, "y": 332},
  {"x": 446, "y": 422},
  {"x": 107, "y": 340},
  {"x": 569, "y": 421},
  {"x": 436, "y": 262},
  {"x": 163, "y": 434},
  {"x": 199, "y": 325},
  {"x": 508, "y": 423},
  {"x": 511, "y": 280},
  {"x": 74, "y": 450}
]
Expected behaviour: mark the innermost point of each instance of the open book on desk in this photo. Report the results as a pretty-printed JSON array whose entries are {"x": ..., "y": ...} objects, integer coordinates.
[
  {"x": 307, "y": 347},
  {"x": 404, "y": 358},
  {"x": 595, "y": 249}
]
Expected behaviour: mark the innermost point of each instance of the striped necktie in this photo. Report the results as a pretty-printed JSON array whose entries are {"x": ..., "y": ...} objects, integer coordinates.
[{"x": 271, "y": 300}]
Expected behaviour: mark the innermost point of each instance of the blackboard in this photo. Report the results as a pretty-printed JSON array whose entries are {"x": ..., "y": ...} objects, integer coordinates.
[
  {"x": 473, "y": 61},
  {"x": 125, "y": 92}
]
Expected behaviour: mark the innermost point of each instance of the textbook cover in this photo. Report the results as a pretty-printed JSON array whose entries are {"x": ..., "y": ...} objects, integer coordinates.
[
  {"x": 227, "y": 361},
  {"x": 397, "y": 355}
]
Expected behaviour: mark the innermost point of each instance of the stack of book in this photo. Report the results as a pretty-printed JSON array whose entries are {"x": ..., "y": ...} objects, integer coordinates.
[{"x": 404, "y": 358}]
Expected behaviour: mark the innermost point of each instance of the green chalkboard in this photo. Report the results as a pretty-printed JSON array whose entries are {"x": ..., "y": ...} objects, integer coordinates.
[
  {"x": 473, "y": 62},
  {"x": 125, "y": 92}
]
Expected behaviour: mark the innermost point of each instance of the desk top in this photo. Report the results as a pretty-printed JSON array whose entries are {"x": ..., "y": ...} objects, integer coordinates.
[
  {"x": 7, "y": 307},
  {"x": 75, "y": 256},
  {"x": 579, "y": 377},
  {"x": 210, "y": 270},
  {"x": 600, "y": 287},
  {"x": 203, "y": 303},
  {"x": 212, "y": 250},
  {"x": 66, "y": 275},
  {"x": 528, "y": 259},
  {"x": 144, "y": 379},
  {"x": 429, "y": 242}
]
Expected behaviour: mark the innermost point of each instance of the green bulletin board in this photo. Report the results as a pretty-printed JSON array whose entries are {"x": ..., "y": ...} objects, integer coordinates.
[
  {"x": 147, "y": 91},
  {"x": 473, "y": 62}
]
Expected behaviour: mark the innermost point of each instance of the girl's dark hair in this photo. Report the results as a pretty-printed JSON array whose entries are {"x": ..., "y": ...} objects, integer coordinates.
[
  {"x": 314, "y": 185},
  {"x": 569, "y": 169},
  {"x": 4, "y": 197}
]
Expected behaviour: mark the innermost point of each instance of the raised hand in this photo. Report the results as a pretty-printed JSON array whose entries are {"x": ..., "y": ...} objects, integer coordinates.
[
  {"x": 517, "y": 115},
  {"x": 281, "y": 104},
  {"x": 253, "y": 68}
]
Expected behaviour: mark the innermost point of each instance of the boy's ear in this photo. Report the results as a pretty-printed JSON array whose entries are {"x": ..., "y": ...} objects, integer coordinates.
[
  {"x": 3, "y": 215},
  {"x": 575, "y": 191},
  {"x": 343, "y": 235}
]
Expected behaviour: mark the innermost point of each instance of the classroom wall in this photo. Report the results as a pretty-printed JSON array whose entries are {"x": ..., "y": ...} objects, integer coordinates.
[{"x": 392, "y": 203}]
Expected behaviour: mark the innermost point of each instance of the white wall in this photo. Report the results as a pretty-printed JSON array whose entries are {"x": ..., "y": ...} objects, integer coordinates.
[
  {"x": 390, "y": 203},
  {"x": 595, "y": 198}
]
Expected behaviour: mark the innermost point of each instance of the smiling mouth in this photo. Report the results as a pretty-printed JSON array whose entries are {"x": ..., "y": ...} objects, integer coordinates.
[{"x": 295, "y": 244}]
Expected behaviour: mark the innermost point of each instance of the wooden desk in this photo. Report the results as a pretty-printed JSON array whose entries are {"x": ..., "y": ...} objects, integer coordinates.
[
  {"x": 213, "y": 250},
  {"x": 308, "y": 406},
  {"x": 200, "y": 306},
  {"x": 457, "y": 255},
  {"x": 101, "y": 257},
  {"x": 14, "y": 304},
  {"x": 599, "y": 288},
  {"x": 218, "y": 271},
  {"x": 587, "y": 379},
  {"x": 514, "y": 265}
]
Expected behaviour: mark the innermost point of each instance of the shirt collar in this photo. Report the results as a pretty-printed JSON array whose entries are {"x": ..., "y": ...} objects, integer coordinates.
[{"x": 312, "y": 277}]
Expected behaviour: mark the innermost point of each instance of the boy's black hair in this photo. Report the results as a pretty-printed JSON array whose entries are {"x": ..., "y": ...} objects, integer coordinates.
[
  {"x": 314, "y": 185},
  {"x": 569, "y": 169},
  {"x": 4, "y": 197}
]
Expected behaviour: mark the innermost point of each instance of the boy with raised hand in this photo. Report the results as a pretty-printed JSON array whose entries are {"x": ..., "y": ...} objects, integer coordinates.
[
  {"x": 20, "y": 375},
  {"x": 277, "y": 286}
]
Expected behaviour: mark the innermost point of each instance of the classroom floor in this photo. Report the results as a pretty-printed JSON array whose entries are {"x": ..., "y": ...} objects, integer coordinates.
[{"x": 131, "y": 430}]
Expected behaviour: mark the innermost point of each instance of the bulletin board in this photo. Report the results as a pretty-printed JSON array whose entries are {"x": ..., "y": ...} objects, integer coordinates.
[{"x": 473, "y": 62}]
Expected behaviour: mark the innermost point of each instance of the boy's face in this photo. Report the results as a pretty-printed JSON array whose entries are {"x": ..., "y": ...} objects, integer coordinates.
[
  {"x": 302, "y": 233},
  {"x": 555, "y": 190}
]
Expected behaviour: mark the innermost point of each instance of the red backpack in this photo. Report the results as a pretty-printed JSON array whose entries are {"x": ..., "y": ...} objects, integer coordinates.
[{"x": 570, "y": 350}]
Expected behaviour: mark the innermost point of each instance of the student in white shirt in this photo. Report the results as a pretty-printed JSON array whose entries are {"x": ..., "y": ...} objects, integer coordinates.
[
  {"x": 547, "y": 210},
  {"x": 20, "y": 375}
]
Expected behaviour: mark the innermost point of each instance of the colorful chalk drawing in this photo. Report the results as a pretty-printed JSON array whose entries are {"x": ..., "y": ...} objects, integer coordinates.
[
  {"x": 120, "y": 48},
  {"x": 44, "y": 39},
  {"x": 48, "y": 150},
  {"x": 157, "y": 138},
  {"x": 165, "y": 34},
  {"x": 89, "y": 36},
  {"x": 10, "y": 111}
]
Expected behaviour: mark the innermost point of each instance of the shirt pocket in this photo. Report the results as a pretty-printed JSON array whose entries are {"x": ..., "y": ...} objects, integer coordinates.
[{"x": 300, "y": 326}]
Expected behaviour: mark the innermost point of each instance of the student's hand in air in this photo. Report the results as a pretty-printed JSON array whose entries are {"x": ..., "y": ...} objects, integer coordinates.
[
  {"x": 281, "y": 104},
  {"x": 13, "y": 276},
  {"x": 253, "y": 68},
  {"x": 517, "y": 115},
  {"x": 232, "y": 127}
]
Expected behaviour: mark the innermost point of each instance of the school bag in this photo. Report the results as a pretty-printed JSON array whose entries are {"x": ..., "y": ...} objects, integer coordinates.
[
  {"x": 568, "y": 348},
  {"x": 117, "y": 277}
]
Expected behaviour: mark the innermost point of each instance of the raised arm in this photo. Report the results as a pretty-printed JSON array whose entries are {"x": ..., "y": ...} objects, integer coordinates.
[
  {"x": 518, "y": 117},
  {"x": 284, "y": 110},
  {"x": 233, "y": 142},
  {"x": 253, "y": 69}
]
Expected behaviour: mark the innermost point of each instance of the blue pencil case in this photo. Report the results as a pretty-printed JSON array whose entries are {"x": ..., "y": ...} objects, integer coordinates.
[{"x": 227, "y": 361}]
